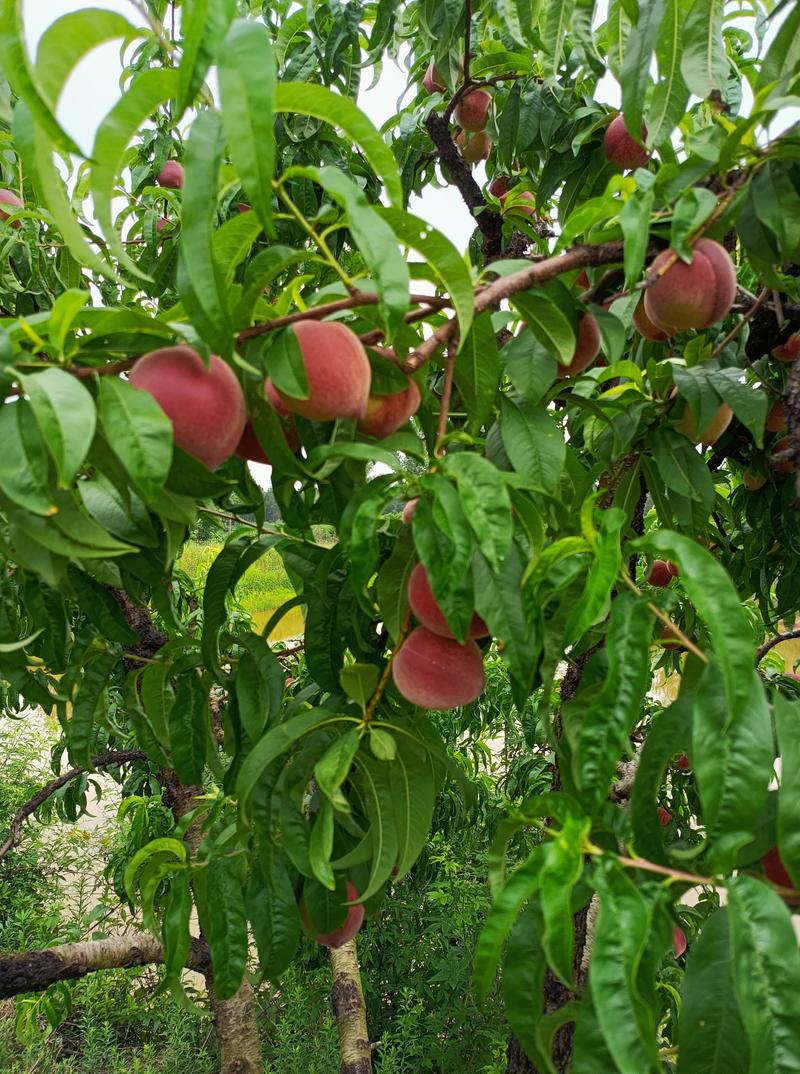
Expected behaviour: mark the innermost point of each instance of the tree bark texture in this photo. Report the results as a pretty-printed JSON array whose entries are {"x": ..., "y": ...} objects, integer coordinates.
[
  {"x": 349, "y": 1010},
  {"x": 35, "y": 971},
  {"x": 236, "y": 1030}
]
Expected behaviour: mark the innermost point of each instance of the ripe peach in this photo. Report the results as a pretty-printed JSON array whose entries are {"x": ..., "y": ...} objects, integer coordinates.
[
  {"x": 662, "y": 572},
  {"x": 387, "y": 413},
  {"x": 249, "y": 446},
  {"x": 646, "y": 327},
  {"x": 338, "y": 372},
  {"x": 678, "y": 941},
  {"x": 753, "y": 481},
  {"x": 523, "y": 205},
  {"x": 776, "y": 418},
  {"x": 670, "y": 640},
  {"x": 664, "y": 816},
  {"x": 582, "y": 280},
  {"x": 425, "y": 607},
  {"x": 775, "y": 870},
  {"x": 438, "y": 673},
  {"x": 205, "y": 405},
  {"x": 691, "y": 296},
  {"x": 712, "y": 432},
  {"x": 789, "y": 350},
  {"x": 432, "y": 81},
  {"x": 171, "y": 175},
  {"x": 683, "y": 762},
  {"x": 586, "y": 350},
  {"x": 621, "y": 148},
  {"x": 498, "y": 187},
  {"x": 8, "y": 197},
  {"x": 782, "y": 466},
  {"x": 472, "y": 111},
  {"x": 275, "y": 400},
  {"x": 409, "y": 509},
  {"x": 474, "y": 147},
  {"x": 346, "y": 931}
]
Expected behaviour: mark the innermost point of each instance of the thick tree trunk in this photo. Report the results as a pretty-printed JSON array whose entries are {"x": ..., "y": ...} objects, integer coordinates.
[
  {"x": 349, "y": 1010},
  {"x": 237, "y": 1031},
  {"x": 35, "y": 971}
]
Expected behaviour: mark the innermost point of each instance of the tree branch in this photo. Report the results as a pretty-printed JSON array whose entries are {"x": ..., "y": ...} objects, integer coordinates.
[
  {"x": 770, "y": 643},
  {"x": 347, "y": 999},
  {"x": 792, "y": 397},
  {"x": 104, "y": 760},
  {"x": 35, "y": 971}
]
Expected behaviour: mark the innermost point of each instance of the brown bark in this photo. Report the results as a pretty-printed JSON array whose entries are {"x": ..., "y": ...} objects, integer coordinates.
[
  {"x": 349, "y": 1011},
  {"x": 237, "y": 1030},
  {"x": 35, "y": 971}
]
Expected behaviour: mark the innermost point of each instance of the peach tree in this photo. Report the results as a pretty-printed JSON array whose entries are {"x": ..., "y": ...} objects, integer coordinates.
[{"x": 591, "y": 414}]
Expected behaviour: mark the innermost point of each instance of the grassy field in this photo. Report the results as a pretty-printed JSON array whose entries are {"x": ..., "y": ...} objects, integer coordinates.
[{"x": 265, "y": 585}]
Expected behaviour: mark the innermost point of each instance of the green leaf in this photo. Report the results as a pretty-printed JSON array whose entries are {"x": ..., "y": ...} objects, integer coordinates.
[
  {"x": 87, "y": 701},
  {"x": 603, "y": 574},
  {"x": 23, "y": 643},
  {"x": 67, "y": 40},
  {"x": 783, "y": 55},
  {"x": 65, "y": 413},
  {"x": 188, "y": 725},
  {"x": 393, "y": 583},
  {"x": 24, "y": 465},
  {"x": 749, "y": 405},
  {"x": 164, "y": 846},
  {"x": 670, "y": 94},
  {"x": 375, "y": 240},
  {"x": 247, "y": 80},
  {"x": 530, "y": 365},
  {"x": 533, "y": 442},
  {"x": 414, "y": 780},
  {"x": 606, "y": 726},
  {"x": 523, "y": 985},
  {"x": 477, "y": 371},
  {"x": 681, "y": 468},
  {"x": 623, "y": 927},
  {"x": 711, "y": 1037},
  {"x": 709, "y": 588},
  {"x": 732, "y": 753},
  {"x": 634, "y": 76},
  {"x": 312, "y": 100},
  {"x": 373, "y": 781},
  {"x": 548, "y": 322},
  {"x": 513, "y": 618},
  {"x": 157, "y": 698},
  {"x": 522, "y": 883},
  {"x": 259, "y": 686},
  {"x": 704, "y": 64},
  {"x": 139, "y": 431},
  {"x": 147, "y": 91},
  {"x": 766, "y": 970},
  {"x": 359, "y": 682},
  {"x": 634, "y": 220},
  {"x": 787, "y": 723},
  {"x": 486, "y": 503},
  {"x": 562, "y": 869},
  {"x": 177, "y": 938},
  {"x": 220, "y": 907},
  {"x": 272, "y": 910},
  {"x": 204, "y": 24},
  {"x": 265, "y": 266},
  {"x": 320, "y": 846},
  {"x": 201, "y": 283},
  {"x": 332, "y": 769},
  {"x": 557, "y": 19},
  {"x": 692, "y": 210}
]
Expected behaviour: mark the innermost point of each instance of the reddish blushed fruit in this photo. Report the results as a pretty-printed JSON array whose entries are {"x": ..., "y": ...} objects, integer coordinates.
[
  {"x": 664, "y": 816},
  {"x": 587, "y": 349},
  {"x": 433, "y": 81},
  {"x": 171, "y": 176},
  {"x": 249, "y": 447},
  {"x": 670, "y": 640},
  {"x": 662, "y": 572},
  {"x": 9, "y": 198},
  {"x": 498, "y": 187},
  {"x": 346, "y": 931},
  {"x": 523, "y": 205},
  {"x": 753, "y": 481},
  {"x": 474, "y": 147},
  {"x": 582, "y": 280},
  {"x": 691, "y": 296},
  {"x": 388, "y": 413},
  {"x": 409, "y": 509},
  {"x": 621, "y": 149},
  {"x": 275, "y": 400},
  {"x": 789, "y": 350},
  {"x": 438, "y": 673},
  {"x": 646, "y": 327},
  {"x": 775, "y": 870},
  {"x": 425, "y": 607},
  {"x": 776, "y": 418},
  {"x": 338, "y": 372},
  {"x": 472, "y": 111},
  {"x": 678, "y": 941},
  {"x": 205, "y": 405},
  {"x": 782, "y": 466},
  {"x": 683, "y": 762},
  {"x": 713, "y": 430}
]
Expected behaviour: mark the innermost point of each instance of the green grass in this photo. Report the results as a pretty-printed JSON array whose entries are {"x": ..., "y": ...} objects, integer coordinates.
[{"x": 264, "y": 585}]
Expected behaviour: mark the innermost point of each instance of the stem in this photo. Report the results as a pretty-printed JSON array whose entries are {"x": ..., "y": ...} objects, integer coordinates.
[
  {"x": 444, "y": 406},
  {"x": 734, "y": 332},
  {"x": 264, "y": 529},
  {"x": 324, "y": 249},
  {"x": 374, "y": 701},
  {"x": 762, "y": 650},
  {"x": 665, "y": 619}
]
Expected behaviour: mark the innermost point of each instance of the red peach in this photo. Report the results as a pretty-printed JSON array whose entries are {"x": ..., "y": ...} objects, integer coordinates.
[
  {"x": 472, "y": 111},
  {"x": 691, "y": 296},
  {"x": 433, "y": 81},
  {"x": 387, "y": 413},
  {"x": 678, "y": 941},
  {"x": 670, "y": 640},
  {"x": 621, "y": 148},
  {"x": 426, "y": 608},
  {"x": 662, "y": 572},
  {"x": 9, "y": 198},
  {"x": 789, "y": 350},
  {"x": 753, "y": 481},
  {"x": 498, "y": 187},
  {"x": 586, "y": 350},
  {"x": 775, "y": 870},
  {"x": 346, "y": 931},
  {"x": 171, "y": 175},
  {"x": 338, "y": 372},
  {"x": 683, "y": 762},
  {"x": 523, "y": 205},
  {"x": 783, "y": 466},
  {"x": 712, "y": 432},
  {"x": 438, "y": 673},
  {"x": 205, "y": 405},
  {"x": 409, "y": 509},
  {"x": 776, "y": 418},
  {"x": 664, "y": 816},
  {"x": 646, "y": 327},
  {"x": 474, "y": 147}
]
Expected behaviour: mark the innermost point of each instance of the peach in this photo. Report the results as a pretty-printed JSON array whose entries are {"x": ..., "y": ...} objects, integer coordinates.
[
  {"x": 387, "y": 413},
  {"x": 586, "y": 350},
  {"x": 789, "y": 350},
  {"x": 753, "y": 481},
  {"x": 275, "y": 400},
  {"x": 432, "y": 81},
  {"x": 205, "y": 405},
  {"x": 346, "y": 931},
  {"x": 582, "y": 280},
  {"x": 670, "y": 639},
  {"x": 498, "y": 187},
  {"x": 9, "y": 198},
  {"x": 647, "y": 328},
  {"x": 472, "y": 111},
  {"x": 775, "y": 870},
  {"x": 426, "y": 608},
  {"x": 678, "y": 941},
  {"x": 691, "y": 296},
  {"x": 782, "y": 466},
  {"x": 524, "y": 204},
  {"x": 438, "y": 673},
  {"x": 249, "y": 446},
  {"x": 409, "y": 509},
  {"x": 338, "y": 372},
  {"x": 664, "y": 816},
  {"x": 171, "y": 176},
  {"x": 683, "y": 762},
  {"x": 474, "y": 147},
  {"x": 712, "y": 432},
  {"x": 776, "y": 418},
  {"x": 662, "y": 572},
  {"x": 621, "y": 148}
]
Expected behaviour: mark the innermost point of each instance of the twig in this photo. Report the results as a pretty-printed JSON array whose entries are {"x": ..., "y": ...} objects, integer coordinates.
[
  {"x": 103, "y": 760},
  {"x": 770, "y": 643},
  {"x": 374, "y": 701},
  {"x": 792, "y": 397},
  {"x": 467, "y": 38},
  {"x": 444, "y": 405},
  {"x": 734, "y": 332},
  {"x": 263, "y": 529},
  {"x": 665, "y": 619}
]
